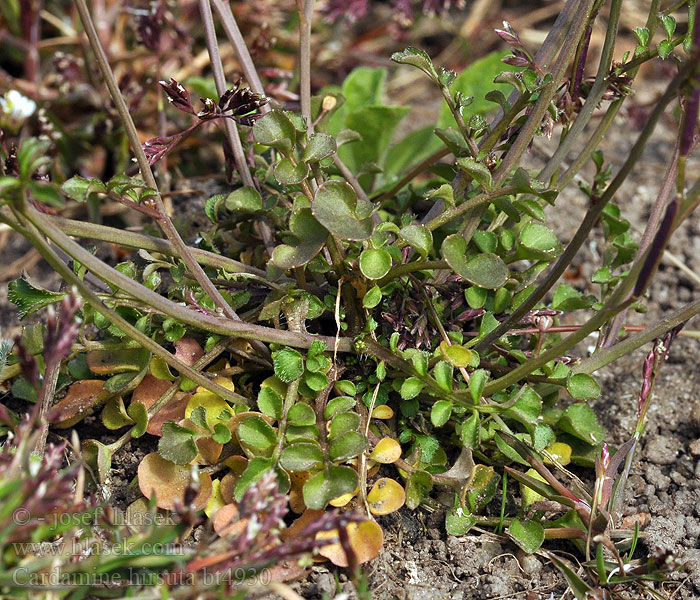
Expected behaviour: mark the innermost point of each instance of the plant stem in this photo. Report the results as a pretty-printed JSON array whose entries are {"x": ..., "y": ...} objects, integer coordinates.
[
  {"x": 37, "y": 240},
  {"x": 588, "y": 222},
  {"x": 411, "y": 174},
  {"x": 411, "y": 267},
  {"x": 233, "y": 33},
  {"x": 220, "y": 82},
  {"x": 214, "y": 324},
  {"x": 305, "y": 9},
  {"x": 164, "y": 221},
  {"x": 132, "y": 239},
  {"x": 608, "y": 355}
]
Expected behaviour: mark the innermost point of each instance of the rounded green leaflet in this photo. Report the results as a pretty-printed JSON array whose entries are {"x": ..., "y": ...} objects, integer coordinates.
[
  {"x": 301, "y": 414},
  {"x": 538, "y": 242},
  {"x": 256, "y": 433},
  {"x": 372, "y": 297},
  {"x": 582, "y": 386},
  {"x": 347, "y": 446},
  {"x": 440, "y": 413},
  {"x": 483, "y": 270},
  {"x": 287, "y": 173},
  {"x": 328, "y": 484},
  {"x": 320, "y": 146},
  {"x": 301, "y": 456},
  {"x": 245, "y": 200},
  {"x": 270, "y": 402},
  {"x": 342, "y": 423},
  {"x": 288, "y": 364},
  {"x": 276, "y": 130},
  {"x": 375, "y": 263},
  {"x": 529, "y": 535},
  {"x": 337, "y": 208},
  {"x": 418, "y": 237},
  {"x": 310, "y": 236}
]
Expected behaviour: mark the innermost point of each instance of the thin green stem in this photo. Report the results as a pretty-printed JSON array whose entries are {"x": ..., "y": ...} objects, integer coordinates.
[
  {"x": 594, "y": 97},
  {"x": 411, "y": 267},
  {"x": 467, "y": 205},
  {"x": 605, "y": 357},
  {"x": 131, "y": 239},
  {"x": 305, "y": 9},
  {"x": 412, "y": 173},
  {"x": 211, "y": 323}
]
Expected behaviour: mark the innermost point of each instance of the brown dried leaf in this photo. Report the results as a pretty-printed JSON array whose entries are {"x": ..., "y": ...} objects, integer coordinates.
[
  {"x": 188, "y": 350},
  {"x": 168, "y": 481},
  {"x": 82, "y": 399},
  {"x": 366, "y": 539}
]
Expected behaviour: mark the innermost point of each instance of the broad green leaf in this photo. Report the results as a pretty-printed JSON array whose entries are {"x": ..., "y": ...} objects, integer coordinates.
[
  {"x": 418, "y": 486},
  {"x": 29, "y": 298},
  {"x": 78, "y": 188},
  {"x": 529, "y": 535},
  {"x": 309, "y": 236},
  {"x": 418, "y": 237},
  {"x": 114, "y": 415},
  {"x": 139, "y": 414},
  {"x": 316, "y": 381},
  {"x": 582, "y": 386},
  {"x": 257, "y": 434},
  {"x": 458, "y": 521},
  {"x": 417, "y": 58},
  {"x": 301, "y": 414},
  {"x": 301, "y": 456},
  {"x": 580, "y": 421},
  {"x": 527, "y": 407},
  {"x": 328, "y": 484},
  {"x": 338, "y": 405},
  {"x": 347, "y": 446},
  {"x": 477, "y": 380},
  {"x": 469, "y": 431},
  {"x": 276, "y": 130},
  {"x": 442, "y": 372},
  {"x": 440, "y": 413},
  {"x": 256, "y": 468},
  {"x": 410, "y": 388},
  {"x": 477, "y": 171},
  {"x": 484, "y": 484},
  {"x": 486, "y": 241},
  {"x": 567, "y": 298},
  {"x": 372, "y": 298},
  {"x": 286, "y": 173},
  {"x": 320, "y": 146},
  {"x": 244, "y": 200},
  {"x": 270, "y": 402},
  {"x": 342, "y": 423},
  {"x": 177, "y": 444},
  {"x": 458, "y": 356},
  {"x": 483, "y": 270},
  {"x": 288, "y": 365},
  {"x": 538, "y": 242},
  {"x": 337, "y": 208},
  {"x": 375, "y": 263}
]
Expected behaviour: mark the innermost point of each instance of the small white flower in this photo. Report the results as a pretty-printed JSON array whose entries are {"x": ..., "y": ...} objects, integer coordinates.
[{"x": 15, "y": 109}]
